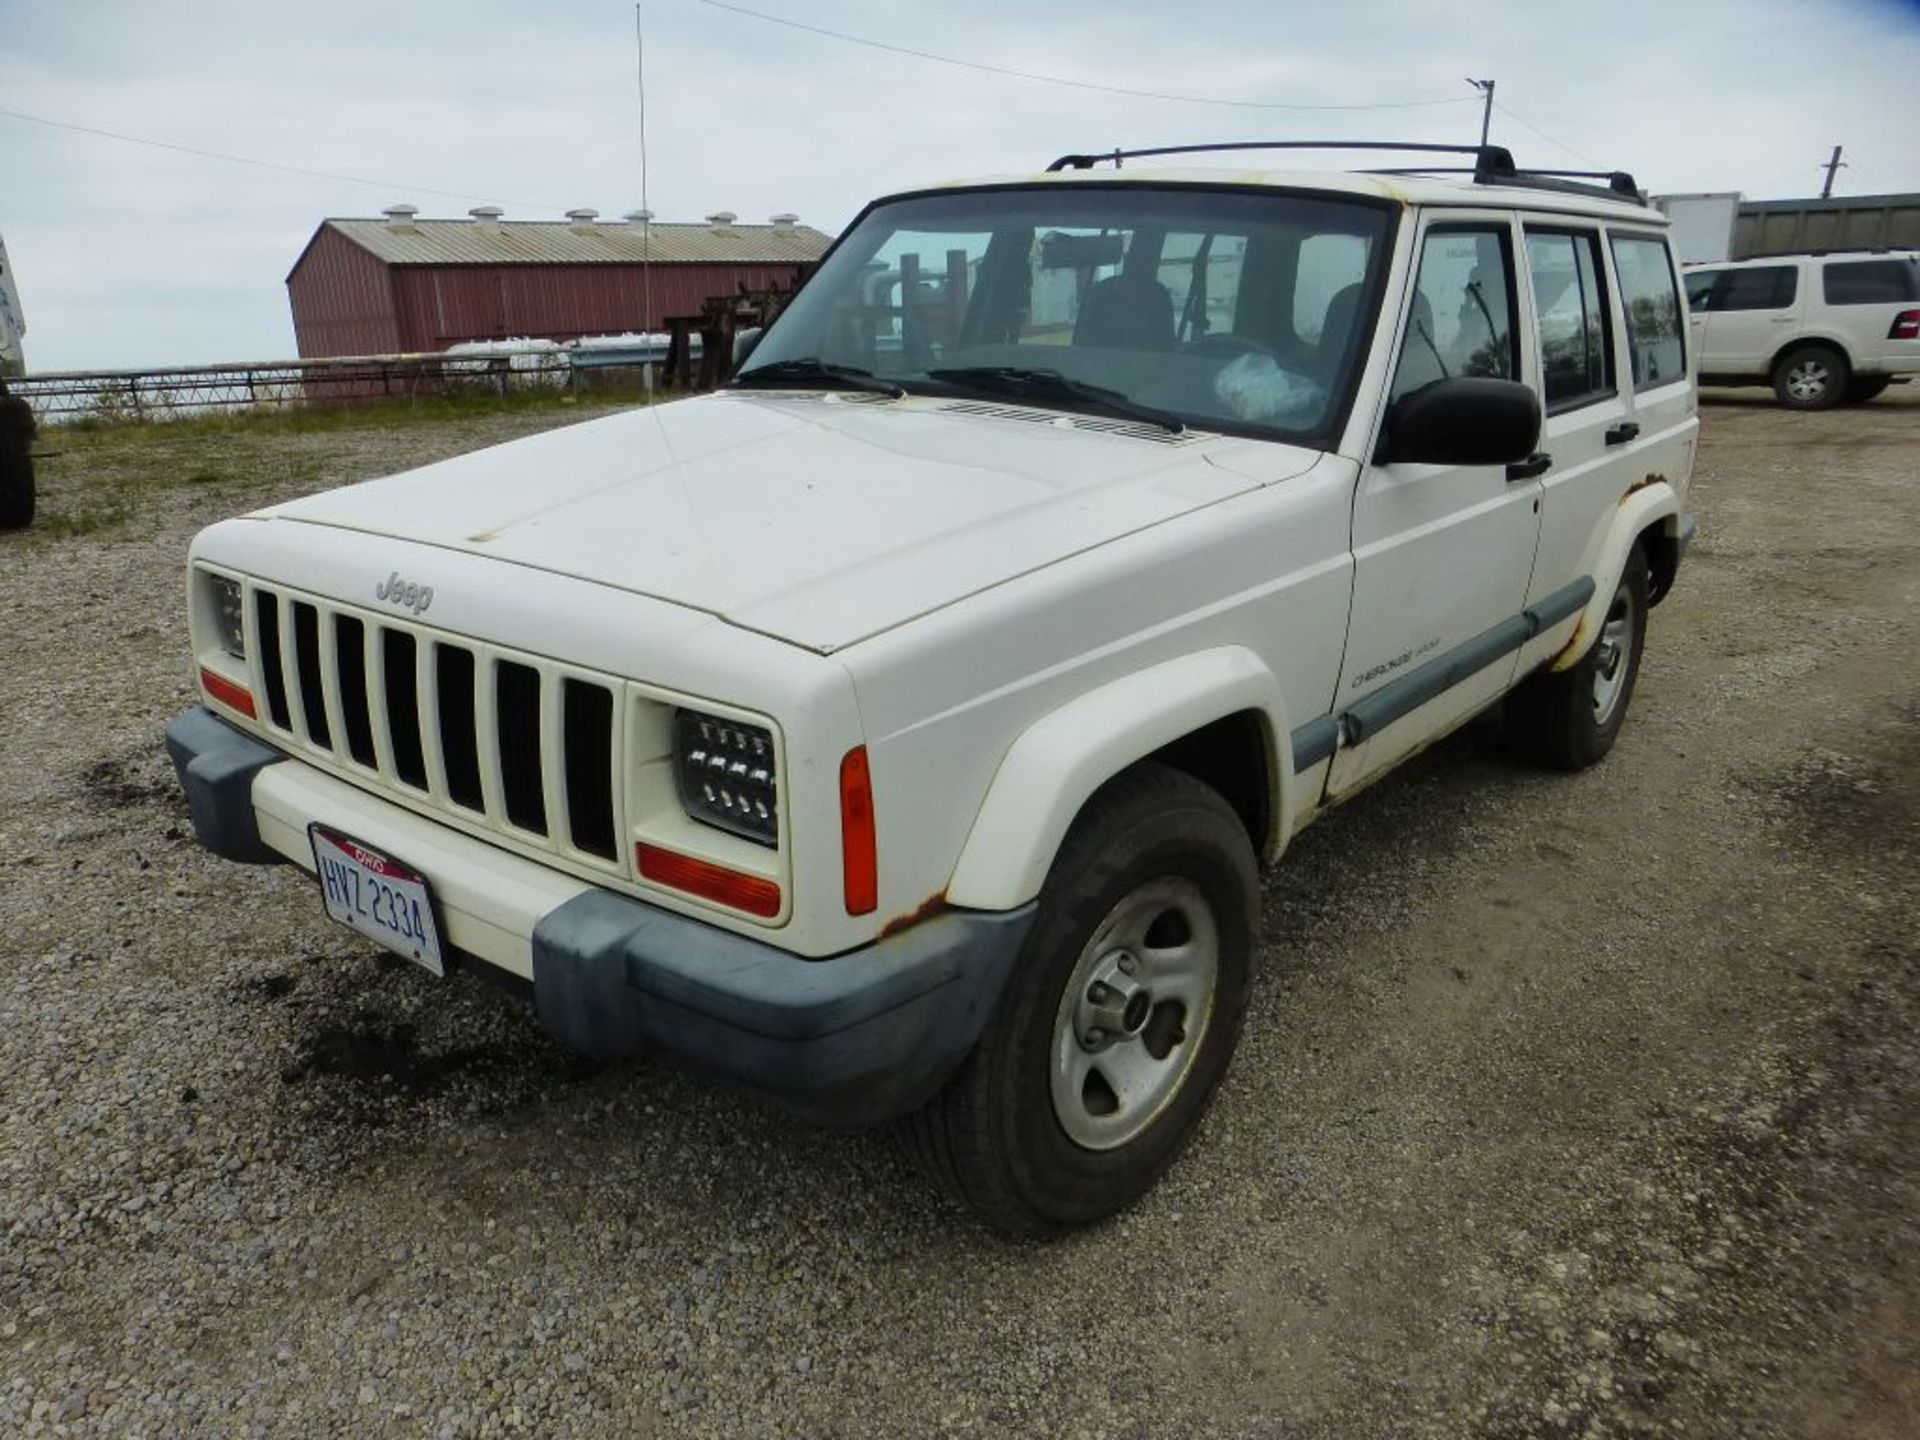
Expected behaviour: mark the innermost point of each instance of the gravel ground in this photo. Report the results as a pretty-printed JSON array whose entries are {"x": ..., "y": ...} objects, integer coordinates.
[{"x": 1576, "y": 1106}]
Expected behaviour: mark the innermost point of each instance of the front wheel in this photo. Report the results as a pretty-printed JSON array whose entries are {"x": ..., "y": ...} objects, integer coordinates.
[
  {"x": 1120, "y": 1017},
  {"x": 1810, "y": 377},
  {"x": 1569, "y": 718}
]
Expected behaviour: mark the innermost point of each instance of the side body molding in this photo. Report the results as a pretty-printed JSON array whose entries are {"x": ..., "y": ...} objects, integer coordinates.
[
  {"x": 1064, "y": 757},
  {"x": 1654, "y": 503}
]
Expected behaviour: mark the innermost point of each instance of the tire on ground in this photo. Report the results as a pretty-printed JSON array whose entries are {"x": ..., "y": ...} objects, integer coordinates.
[
  {"x": 16, "y": 463},
  {"x": 1810, "y": 377},
  {"x": 996, "y": 1137},
  {"x": 1568, "y": 719}
]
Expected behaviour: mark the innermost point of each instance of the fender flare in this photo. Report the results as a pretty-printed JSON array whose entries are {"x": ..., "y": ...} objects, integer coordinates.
[
  {"x": 1061, "y": 759},
  {"x": 1653, "y": 503}
]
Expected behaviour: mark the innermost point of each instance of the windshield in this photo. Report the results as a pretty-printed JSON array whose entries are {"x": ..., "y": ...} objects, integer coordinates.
[{"x": 1244, "y": 311}]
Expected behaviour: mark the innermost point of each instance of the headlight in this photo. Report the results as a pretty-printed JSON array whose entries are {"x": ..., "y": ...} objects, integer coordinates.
[
  {"x": 726, "y": 775},
  {"x": 226, "y": 615}
]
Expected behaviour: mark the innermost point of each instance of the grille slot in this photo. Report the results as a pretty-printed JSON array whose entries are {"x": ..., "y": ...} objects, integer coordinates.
[
  {"x": 306, "y": 655},
  {"x": 350, "y": 661},
  {"x": 587, "y": 718},
  {"x": 266, "y": 627},
  {"x": 459, "y": 742},
  {"x": 517, "y": 712},
  {"x": 399, "y": 658}
]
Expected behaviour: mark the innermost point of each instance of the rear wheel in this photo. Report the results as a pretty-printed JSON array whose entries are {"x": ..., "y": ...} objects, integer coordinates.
[
  {"x": 1120, "y": 1017},
  {"x": 1860, "y": 391},
  {"x": 1569, "y": 718},
  {"x": 1810, "y": 377},
  {"x": 16, "y": 462}
]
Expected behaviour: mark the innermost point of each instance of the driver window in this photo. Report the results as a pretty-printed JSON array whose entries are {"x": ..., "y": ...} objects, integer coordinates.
[{"x": 1462, "y": 321}]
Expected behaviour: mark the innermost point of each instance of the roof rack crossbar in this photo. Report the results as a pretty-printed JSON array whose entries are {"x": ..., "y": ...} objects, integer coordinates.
[
  {"x": 1489, "y": 160},
  {"x": 1620, "y": 185}
]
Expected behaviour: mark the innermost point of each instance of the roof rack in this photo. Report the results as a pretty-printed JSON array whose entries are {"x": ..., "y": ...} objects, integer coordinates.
[{"x": 1492, "y": 164}]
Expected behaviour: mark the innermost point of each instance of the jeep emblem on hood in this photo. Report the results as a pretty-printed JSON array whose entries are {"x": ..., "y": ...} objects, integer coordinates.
[{"x": 396, "y": 591}]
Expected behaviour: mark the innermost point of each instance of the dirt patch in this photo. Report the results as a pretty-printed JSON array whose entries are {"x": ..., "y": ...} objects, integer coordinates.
[{"x": 133, "y": 781}]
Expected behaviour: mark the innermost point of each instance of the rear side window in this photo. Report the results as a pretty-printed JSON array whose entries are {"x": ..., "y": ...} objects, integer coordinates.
[
  {"x": 1700, "y": 288},
  {"x": 1870, "y": 282},
  {"x": 1764, "y": 287},
  {"x": 1576, "y": 356},
  {"x": 1651, "y": 301},
  {"x": 1462, "y": 321}
]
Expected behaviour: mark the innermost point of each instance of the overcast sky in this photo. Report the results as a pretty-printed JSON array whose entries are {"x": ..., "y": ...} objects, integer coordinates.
[{"x": 130, "y": 255}]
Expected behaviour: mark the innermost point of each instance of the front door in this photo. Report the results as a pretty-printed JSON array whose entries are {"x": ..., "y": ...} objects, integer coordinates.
[
  {"x": 1442, "y": 554},
  {"x": 1747, "y": 317}
]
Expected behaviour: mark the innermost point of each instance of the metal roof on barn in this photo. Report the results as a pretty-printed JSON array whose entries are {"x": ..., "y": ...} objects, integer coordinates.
[{"x": 560, "y": 242}]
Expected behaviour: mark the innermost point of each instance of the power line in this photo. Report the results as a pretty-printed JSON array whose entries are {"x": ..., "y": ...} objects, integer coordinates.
[
  {"x": 390, "y": 185},
  {"x": 1577, "y": 154},
  {"x": 1059, "y": 79}
]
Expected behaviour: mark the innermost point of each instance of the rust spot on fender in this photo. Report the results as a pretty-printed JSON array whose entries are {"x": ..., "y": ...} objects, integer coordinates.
[
  {"x": 1651, "y": 478},
  {"x": 921, "y": 913}
]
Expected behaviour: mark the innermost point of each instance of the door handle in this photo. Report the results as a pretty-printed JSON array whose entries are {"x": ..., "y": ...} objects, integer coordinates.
[
  {"x": 1535, "y": 464},
  {"x": 1623, "y": 432}
]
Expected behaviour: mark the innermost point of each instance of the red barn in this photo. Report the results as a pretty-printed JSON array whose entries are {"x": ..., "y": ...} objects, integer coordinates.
[{"x": 401, "y": 284}]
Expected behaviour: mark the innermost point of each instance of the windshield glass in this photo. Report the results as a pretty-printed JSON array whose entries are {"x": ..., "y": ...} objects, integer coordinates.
[{"x": 1234, "y": 310}]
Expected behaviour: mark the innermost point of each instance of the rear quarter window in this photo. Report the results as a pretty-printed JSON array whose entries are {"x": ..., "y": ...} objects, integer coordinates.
[
  {"x": 1650, "y": 296},
  {"x": 1870, "y": 282}
]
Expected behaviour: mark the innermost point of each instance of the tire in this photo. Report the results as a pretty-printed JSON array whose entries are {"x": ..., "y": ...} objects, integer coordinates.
[
  {"x": 1569, "y": 719},
  {"x": 1157, "y": 865},
  {"x": 16, "y": 463},
  {"x": 1860, "y": 391},
  {"x": 1810, "y": 377}
]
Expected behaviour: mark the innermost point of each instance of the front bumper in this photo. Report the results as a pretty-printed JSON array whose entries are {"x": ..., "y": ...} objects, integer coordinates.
[{"x": 855, "y": 1039}]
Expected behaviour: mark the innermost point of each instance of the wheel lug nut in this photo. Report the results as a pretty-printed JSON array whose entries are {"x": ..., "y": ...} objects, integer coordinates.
[
  {"x": 1128, "y": 964},
  {"x": 1095, "y": 1036},
  {"x": 1099, "y": 994}
]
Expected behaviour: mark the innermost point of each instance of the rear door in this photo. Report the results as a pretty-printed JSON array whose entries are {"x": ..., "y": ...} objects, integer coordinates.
[
  {"x": 1589, "y": 428},
  {"x": 1442, "y": 553}
]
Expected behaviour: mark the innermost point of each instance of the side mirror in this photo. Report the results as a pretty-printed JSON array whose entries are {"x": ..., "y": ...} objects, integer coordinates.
[
  {"x": 743, "y": 343},
  {"x": 1471, "y": 420}
]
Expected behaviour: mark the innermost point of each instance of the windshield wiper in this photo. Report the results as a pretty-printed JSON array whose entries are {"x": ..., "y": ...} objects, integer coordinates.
[
  {"x": 811, "y": 370},
  {"x": 1039, "y": 384}
]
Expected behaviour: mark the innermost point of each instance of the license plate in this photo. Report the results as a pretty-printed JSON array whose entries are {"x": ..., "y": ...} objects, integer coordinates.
[{"x": 378, "y": 896}]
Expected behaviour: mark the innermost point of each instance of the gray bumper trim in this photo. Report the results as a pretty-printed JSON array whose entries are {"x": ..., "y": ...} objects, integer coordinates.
[
  {"x": 216, "y": 765},
  {"x": 854, "y": 1040}
]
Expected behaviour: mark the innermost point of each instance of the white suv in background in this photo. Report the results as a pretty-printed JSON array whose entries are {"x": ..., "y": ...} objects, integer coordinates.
[{"x": 1818, "y": 328}]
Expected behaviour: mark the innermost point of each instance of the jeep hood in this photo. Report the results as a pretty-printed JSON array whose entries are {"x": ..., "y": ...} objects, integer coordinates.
[{"x": 817, "y": 520}]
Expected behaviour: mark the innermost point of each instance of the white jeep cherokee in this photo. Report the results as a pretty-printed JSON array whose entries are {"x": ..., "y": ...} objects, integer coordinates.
[{"x": 900, "y": 732}]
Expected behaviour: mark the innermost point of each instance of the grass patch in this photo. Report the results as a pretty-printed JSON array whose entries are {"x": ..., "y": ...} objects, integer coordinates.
[{"x": 92, "y": 519}]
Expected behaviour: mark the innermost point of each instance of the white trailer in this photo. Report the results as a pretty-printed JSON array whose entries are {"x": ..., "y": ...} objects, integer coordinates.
[{"x": 1702, "y": 224}]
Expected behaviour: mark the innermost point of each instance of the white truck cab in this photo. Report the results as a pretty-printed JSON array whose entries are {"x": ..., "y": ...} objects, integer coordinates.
[{"x": 900, "y": 731}]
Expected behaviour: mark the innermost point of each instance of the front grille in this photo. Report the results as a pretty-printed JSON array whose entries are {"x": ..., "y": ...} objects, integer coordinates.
[{"x": 513, "y": 742}]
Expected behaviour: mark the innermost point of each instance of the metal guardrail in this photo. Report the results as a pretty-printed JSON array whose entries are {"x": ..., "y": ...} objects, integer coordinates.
[{"x": 290, "y": 384}]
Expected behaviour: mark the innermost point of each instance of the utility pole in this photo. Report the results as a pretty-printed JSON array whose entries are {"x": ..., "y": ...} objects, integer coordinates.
[
  {"x": 1486, "y": 112},
  {"x": 1833, "y": 163}
]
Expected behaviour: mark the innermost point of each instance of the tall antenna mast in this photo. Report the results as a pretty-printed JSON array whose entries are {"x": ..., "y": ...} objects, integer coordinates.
[{"x": 646, "y": 225}]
